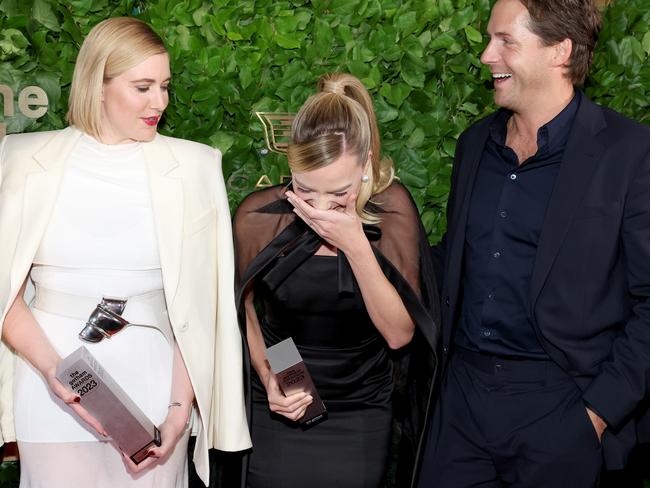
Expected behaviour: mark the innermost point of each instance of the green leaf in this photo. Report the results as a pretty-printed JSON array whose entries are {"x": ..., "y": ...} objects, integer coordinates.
[
  {"x": 199, "y": 15},
  {"x": 443, "y": 41},
  {"x": 406, "y": 23},
  {"x": 12, "y": 43},
  {"x": 428, "y": 219},
  {"x": 412, "y": 76},
  {"x": 303, "y": 18},
  {"x": 372, "y": 79},
  {"x": 625, "y": 50},
  {"x": 246, "y": 75},
  {"x": 637, "y": 50},
  {"x": 13, "y": 8},
  {"x": 345, "y": 33},
  {"x": 446, "y": 7},
  {"x": 222, "y": 141},
  {"x": 287, "y": 42},
  {"x": 286, "y": 24},
  {"x": 469, "y": 107},
  {"x": 449, "y": 146},
  {"x": 646, "y": 42},
  {"x": 395, "y": 93},
  {"x": 416, "y": 138},
  {"x": 43, "y": 13},
  {"x": 385, "y": 113},
  {"x": 323, "y": 37},
  {"x": 203, "y": 94},
  {"x": 461, "y": 18},
  {"x": 81, "y": 7},
  {"x": 234, "y": 36},
  {"x": 473, "y": 35},
  {"x": 425, "y": 38}
]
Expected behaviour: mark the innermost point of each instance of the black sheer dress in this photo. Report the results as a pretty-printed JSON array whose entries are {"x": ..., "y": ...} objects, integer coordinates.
[{"x": 366, "y": 387}]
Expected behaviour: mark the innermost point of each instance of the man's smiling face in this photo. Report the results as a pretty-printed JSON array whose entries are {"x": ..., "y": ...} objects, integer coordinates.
[{"x": 520, "y": 63}]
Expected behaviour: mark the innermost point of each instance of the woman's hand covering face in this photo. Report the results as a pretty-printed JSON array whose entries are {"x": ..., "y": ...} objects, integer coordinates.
[{"x": 340, "y": 227}]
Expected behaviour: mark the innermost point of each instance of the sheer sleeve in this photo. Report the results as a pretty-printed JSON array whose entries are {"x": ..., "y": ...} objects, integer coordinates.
[
  {"x": 401, "y": 233},
  {"x": 258, "y": 220}
]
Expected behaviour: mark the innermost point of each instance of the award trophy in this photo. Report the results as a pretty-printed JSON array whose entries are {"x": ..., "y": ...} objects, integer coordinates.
[
  {"x": 128, "y": 426},
  {"x": 293, "y": 377}
]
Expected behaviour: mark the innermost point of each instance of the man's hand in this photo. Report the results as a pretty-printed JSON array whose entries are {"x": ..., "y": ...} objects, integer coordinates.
[{"x": 598, "y": 423}]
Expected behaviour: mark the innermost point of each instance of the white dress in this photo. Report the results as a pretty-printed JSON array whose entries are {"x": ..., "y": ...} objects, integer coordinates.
[{"x": 100, "y": 241}]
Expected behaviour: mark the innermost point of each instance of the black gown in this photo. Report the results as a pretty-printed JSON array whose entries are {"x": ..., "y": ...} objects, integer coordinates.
[{"x": 316, "y": 301}]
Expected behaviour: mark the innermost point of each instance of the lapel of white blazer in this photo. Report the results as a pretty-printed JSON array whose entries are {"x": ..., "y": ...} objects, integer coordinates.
[
  {"x": 166, "y": 189},
  {"x": 42, "y": 182}
]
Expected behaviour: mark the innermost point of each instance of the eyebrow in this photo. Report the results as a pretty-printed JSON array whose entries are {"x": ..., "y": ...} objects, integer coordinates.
[
  {"x": 149, "y": 80},
  {"x": 343, "y": 188}
]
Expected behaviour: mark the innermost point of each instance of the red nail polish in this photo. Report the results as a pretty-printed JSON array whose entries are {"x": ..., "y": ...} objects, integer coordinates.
[{"x": 77, "y": 399}]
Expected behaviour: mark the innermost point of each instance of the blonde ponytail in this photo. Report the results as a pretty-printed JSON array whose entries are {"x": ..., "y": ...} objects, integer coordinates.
[{"x": 340, "y": 118}]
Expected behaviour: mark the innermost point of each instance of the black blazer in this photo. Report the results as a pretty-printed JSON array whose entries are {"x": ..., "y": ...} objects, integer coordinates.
[{"x": 590, "y": 287}]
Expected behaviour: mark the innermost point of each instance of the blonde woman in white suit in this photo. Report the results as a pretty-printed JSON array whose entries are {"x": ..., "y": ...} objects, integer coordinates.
[{"x": 109, "y": 208}]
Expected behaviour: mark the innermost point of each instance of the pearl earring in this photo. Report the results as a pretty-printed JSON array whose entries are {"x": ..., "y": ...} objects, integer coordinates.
[{"x": 365, "y": 179}]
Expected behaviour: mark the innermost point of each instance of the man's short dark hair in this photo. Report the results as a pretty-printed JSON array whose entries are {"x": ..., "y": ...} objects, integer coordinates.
[{"x": 578, "y": 20}]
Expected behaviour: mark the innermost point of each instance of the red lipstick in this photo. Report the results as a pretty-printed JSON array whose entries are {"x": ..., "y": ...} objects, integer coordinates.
[{"x": 151, "y": 121}]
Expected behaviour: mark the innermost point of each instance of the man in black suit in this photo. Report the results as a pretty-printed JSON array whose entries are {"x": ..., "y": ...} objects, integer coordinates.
[{"x": 546, "y": 287}]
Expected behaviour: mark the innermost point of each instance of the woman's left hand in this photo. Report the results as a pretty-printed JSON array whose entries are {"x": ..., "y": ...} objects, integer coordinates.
[
  {"x": 171, "y": 431},
  {"x": 341, "y": 228}
]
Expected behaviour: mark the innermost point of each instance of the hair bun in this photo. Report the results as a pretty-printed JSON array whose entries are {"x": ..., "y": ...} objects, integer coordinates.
[{"x": 333, "y": 86}]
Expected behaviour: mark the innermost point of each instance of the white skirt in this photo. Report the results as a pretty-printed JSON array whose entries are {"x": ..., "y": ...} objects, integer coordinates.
[{"x": 96, "y": 465}]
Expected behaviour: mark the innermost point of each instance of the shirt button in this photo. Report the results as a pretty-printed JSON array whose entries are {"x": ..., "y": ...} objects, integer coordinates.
[
  {"x": 184, "y": 327},
  {"x": 503, "y": 214},
  {"x": 487, "y": 332},
  {"x": 513, "y": 176},
  {"x": 491, "y": 296},
  {"x": 497, "y": 255},
  {"x": 447, "y": 301}
]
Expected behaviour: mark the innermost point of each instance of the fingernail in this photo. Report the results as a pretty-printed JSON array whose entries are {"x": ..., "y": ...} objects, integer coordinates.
[{"x": 77, "y": 399}]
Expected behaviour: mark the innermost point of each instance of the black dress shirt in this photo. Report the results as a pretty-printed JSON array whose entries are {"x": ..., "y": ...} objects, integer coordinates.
[{"x": 506, "y": 214}]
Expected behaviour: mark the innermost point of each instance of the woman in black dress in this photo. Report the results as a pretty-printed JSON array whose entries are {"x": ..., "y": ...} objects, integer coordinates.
[{"x": 339, "y": 263}]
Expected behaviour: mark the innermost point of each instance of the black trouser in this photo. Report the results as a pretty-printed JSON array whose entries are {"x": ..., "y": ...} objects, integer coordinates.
[{"x": 500, "y": 422}]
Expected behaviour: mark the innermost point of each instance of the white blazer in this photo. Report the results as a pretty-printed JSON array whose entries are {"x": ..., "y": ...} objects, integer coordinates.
[{"x": 193, "y": 228}]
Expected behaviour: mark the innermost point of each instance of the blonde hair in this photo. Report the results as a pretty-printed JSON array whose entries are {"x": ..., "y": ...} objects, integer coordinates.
[
  {"x": 112, "y": 47},
  {"x": 339, "y": 119}
]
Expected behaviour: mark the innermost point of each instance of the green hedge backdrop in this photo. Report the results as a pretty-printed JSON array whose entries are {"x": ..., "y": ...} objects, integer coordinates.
[{"x": 419, "y": 58}]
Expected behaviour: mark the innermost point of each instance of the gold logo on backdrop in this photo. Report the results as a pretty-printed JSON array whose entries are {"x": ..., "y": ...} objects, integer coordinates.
[
  {"x": 263, "y": 182},
  {"x": 32, "y": 103},
  {"x": 277, "y": 134},
  {"x": 277, "y": 130}
]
